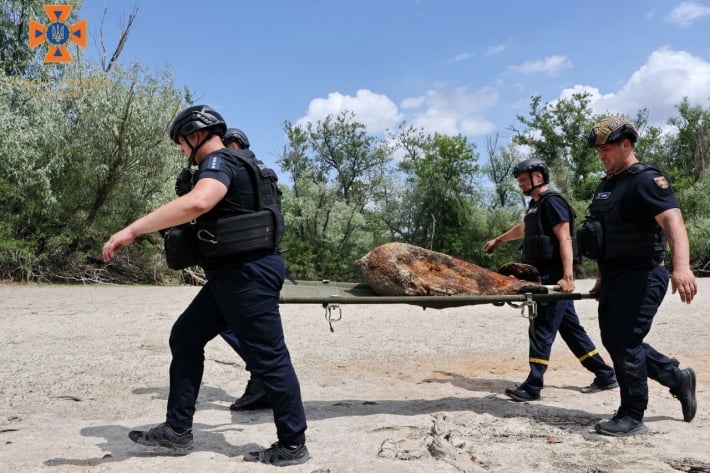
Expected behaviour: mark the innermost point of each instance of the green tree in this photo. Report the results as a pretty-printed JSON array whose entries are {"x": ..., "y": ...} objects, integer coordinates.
[
  {"x": 690, "y": 150},
  {"x": 499, "y": 171},
  {"x": 88, "y": 155},
  {"x": 442, "y": 192},
  {"x": 695, "y": 205},
  {"x": 336, "y": 170},
  {"x": 556, "y": 133}
]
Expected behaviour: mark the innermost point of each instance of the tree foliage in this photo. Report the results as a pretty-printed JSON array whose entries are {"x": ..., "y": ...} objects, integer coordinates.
[
  {"x": 556, "y": 133},
  {"x": 440, "y": 178},
  {"x": 82, "y": 152},
  {"x": 499, "y": 171},
  {"x": 337, "y": 171}
]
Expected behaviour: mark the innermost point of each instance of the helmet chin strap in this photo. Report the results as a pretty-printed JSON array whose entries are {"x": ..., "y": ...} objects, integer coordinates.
[
  {"x": 194, "y": 149},
  {"x": 529, "y": 191}
]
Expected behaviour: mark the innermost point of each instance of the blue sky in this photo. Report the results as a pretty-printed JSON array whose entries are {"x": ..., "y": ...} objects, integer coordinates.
[{"x": 449, "y": 66}]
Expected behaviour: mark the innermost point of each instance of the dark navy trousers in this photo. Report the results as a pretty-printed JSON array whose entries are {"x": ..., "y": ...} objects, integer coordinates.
[
  {"x": 245, "y": 299},
  {"x": 628, "y": 302},
  {"x": 554, "y": 317},
  {"x": 233, "y": 341}
]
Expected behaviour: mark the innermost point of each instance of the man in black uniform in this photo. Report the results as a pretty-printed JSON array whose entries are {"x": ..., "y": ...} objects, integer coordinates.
[
  {"x": 254, "y": 396},
  {"x": 241, "y": 293},
  {"x": 633, "y": 213},
  {"x": 547, "y": 244}
]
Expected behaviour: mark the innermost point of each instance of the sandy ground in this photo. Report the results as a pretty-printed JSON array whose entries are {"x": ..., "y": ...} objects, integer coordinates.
[{"x": 394, "y": 388}]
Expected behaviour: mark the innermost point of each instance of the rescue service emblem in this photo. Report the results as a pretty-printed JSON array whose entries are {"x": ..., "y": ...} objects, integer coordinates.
[{"x": 661, "y": 182}]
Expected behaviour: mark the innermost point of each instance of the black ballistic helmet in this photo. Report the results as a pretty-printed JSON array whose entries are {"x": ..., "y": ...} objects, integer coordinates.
[
  {"x": 197, "y": 117},
  {"x": 612, "y": 130},
  {"x": 531, "y": 165},
  {"x": 235, "y": 134}
]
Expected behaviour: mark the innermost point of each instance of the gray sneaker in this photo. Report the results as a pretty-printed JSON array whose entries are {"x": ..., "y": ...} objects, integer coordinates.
[
  {"x": 163, "y": 436},
  {"x": 278, "y": 455}
]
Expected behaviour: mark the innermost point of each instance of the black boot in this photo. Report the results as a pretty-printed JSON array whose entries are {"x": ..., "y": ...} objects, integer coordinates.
[
  {"x": 254, "y": 397},
  {"x": 624, "y": 426},
  {"x": 685, "y": 392}
]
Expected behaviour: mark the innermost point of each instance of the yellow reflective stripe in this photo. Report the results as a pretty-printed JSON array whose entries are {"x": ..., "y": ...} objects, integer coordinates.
[
  {"x": 539, "y": 361},
  {"x": 588, "y": 355}
]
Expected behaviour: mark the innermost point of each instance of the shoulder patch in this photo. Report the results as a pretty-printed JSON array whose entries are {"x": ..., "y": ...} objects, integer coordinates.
[
  {"x": 214, "y": 162},
  {"x": 661, "y": 182}
]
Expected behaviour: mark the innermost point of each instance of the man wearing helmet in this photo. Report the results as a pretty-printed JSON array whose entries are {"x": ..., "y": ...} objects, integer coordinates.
[
  {"x": 633, "y": 213},
  {"x": 547, "y": 237},
  {"x": 241, "y": 293},
  {"x": 235, "y": 138}
]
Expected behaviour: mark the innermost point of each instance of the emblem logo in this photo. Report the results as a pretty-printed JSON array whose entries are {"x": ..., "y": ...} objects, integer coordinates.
[
  {"x": 661, "y": 182},
  {"x": 57, "y": 33}
]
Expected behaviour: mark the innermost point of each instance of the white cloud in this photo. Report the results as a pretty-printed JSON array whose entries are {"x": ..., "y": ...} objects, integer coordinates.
[
  {"x": 594, "y": 94},
  {"x": 413, "y": 102},
  {"x": 452, "y": 111},
  {"x": 376, "y": 111},
  {"x": 441, "y": 110},
  {"x": 496, "y": 49},
  {"x": 461, "y": 57},
  {"x": 687, "y": 12},
  {"x": 659, "y": 85},
  {"x": 549, "y": 65}
]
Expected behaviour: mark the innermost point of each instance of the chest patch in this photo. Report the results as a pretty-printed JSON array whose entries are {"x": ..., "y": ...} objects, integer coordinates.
[{"x": 603, "y": 195}]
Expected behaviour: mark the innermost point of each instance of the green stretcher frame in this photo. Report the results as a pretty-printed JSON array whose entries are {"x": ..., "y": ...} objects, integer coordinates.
[{"x": 329, "y": 293}]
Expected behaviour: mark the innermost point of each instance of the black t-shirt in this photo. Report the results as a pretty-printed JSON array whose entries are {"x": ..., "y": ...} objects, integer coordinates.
[
  {"x": 554, "y": 210},
  {"x": 229, "y": 171},
  {"x": 649, "y": 195}
]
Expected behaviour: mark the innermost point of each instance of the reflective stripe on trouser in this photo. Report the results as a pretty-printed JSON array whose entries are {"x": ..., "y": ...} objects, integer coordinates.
[{"x": 554, "y": 317}]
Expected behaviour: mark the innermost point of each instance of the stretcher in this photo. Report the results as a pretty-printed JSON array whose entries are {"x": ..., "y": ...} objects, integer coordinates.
[{"x": 331, "y": 295}]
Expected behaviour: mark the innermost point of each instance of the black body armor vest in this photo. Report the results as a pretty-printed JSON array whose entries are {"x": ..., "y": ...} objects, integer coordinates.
[
  {"x": 248, "y": 221},
  {"x": 622, "y": 239},
  {"x": 539, "y": 246}
]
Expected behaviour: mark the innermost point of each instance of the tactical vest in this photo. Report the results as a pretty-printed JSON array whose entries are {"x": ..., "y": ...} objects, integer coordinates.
[
  {"x": 538, "y": 246},
  {"x": 253, "y": 224},
  {"x": 623, "y": 239},
  {"x": 248, "y": 227}
]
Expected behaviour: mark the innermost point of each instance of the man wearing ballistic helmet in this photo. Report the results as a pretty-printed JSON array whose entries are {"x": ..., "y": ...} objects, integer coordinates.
[
  {"x": 633, "y": 213},
  {"x": 235, "y": 138},
  {"x": 547, "y": 237},
  {"x": 241, "y": 293}
]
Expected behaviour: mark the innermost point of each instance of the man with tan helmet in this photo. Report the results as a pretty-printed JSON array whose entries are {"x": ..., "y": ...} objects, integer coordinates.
[{"x": 633, "y": 214}]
